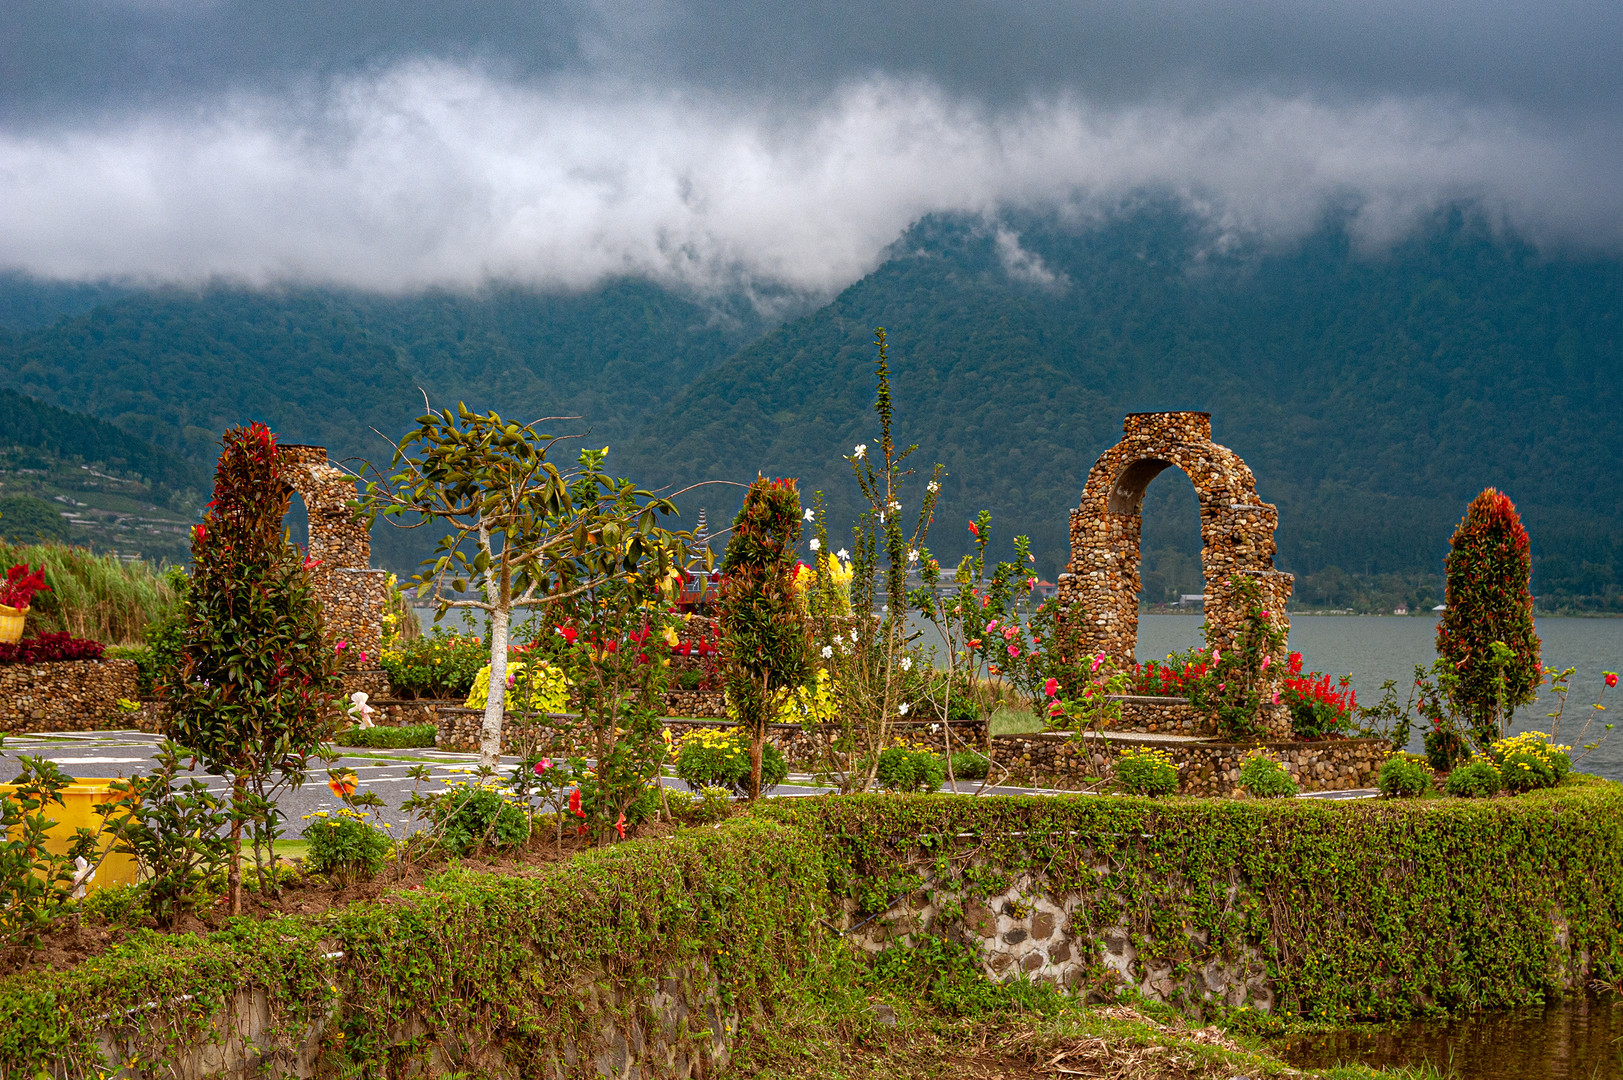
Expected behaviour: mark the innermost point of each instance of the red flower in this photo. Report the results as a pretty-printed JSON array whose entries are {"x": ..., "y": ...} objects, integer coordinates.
[
  {"x": 569, "y": 633},
  {"x": 574, "y": 803},
  {"x": 1051, "y": 687},
  {"x": 1611, "y": 678},
  {"x": 974, "y": 531},
  {"x": 620, "y": 826}
]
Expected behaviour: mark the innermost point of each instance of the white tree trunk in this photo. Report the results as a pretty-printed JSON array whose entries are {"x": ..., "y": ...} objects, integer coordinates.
[{"x": 490, "y": 743}]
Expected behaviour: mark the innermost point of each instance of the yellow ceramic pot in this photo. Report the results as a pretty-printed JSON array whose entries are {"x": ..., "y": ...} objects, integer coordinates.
[
  {"x": 78, "y": 798},
  {"x": 11, "y": 624}
]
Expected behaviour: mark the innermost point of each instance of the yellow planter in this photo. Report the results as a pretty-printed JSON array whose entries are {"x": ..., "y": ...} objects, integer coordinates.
[
  {"x": 11, "y": 624},
  {"x": 77, "y": 800}
]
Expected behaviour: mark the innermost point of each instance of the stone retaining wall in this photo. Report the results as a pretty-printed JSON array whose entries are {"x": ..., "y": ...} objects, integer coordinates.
[
  {"x": 1175, "y": 716},
  {"x": 1055, "y": 760},
  {"x": 66, "y": 695}
]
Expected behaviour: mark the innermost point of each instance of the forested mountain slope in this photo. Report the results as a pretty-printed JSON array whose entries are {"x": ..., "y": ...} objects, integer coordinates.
[{"x": 1372, "y": 394}]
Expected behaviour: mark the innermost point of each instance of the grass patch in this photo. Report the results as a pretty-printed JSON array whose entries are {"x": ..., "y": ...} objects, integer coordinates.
[
  {"x": 1015, "y": 722},
  {"x": 388, "y": 738},
  {"x": 92, "y": 596}
]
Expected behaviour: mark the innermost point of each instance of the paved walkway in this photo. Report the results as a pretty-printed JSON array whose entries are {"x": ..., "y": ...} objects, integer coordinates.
[{"x": 387, "y": 772}]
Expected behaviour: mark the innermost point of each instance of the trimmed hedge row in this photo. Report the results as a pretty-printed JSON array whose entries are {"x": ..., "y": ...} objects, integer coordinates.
[
  {"x": 1374, "y": 909},
  {"x": 497, "y": 968}
]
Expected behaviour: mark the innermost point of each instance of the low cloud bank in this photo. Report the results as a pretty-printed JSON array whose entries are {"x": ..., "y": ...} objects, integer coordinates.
[{"x": 436, "y": 174}]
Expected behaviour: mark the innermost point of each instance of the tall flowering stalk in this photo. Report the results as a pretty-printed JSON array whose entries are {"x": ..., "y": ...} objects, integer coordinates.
[{"x": 866, "y": 651}]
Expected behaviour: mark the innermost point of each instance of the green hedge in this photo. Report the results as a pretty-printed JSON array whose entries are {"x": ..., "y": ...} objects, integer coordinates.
[
  {"x": 406, "y": 736},
  {"x": 1376, "y": 909},
  {"x": 485, "y": 959}
]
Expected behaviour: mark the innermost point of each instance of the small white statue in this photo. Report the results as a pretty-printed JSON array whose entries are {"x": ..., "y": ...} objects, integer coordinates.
[{"x": 360, "y": 709}]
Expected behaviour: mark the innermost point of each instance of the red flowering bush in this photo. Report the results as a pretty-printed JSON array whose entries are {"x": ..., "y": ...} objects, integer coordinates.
[
  {"x": 48, "y": 647},
  {"x": 21, "y": 584},
  {"x": 1318, "y": 707}
]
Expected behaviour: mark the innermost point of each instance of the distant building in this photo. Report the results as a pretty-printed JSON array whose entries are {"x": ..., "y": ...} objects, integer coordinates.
[
  {"x": 1191, "y": 599},
  {"x": 1401, "y": 609},
  {"x": 1440, "y": 607}
]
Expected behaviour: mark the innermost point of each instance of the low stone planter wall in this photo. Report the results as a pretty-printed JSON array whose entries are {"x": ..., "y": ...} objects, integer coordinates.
[
  {"x": 66, "y": 695},
  {"x": 1175, "y": 716},
  {"x": 701, "y": 703},
  {"x": 400, "y": 712},
  {"x": 1055, "y": 760}
]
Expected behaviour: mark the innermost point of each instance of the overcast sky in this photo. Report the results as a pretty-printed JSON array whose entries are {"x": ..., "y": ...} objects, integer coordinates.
[{"x": 394, "y": 144}]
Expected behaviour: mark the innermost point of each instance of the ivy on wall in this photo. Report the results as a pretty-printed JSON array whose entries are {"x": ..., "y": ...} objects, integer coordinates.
[
  {"x": 1371, "y": 909},
  {"x": 481, "y": 960}
]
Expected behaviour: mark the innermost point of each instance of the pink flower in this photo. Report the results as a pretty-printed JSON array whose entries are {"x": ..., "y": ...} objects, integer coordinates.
[
  {"x": 1008, "y": 633},
  {"x": 1276, "y": 697},
  {"x": 341, "y": 646},
  {"x": 542, "y": 766},
  {"x": 1055, "y": 708},
  {"x": 363, "y": 658},
  {"x": 1013, "y": 651},
  {"x": 1220, "y": 687},
  {"x": 1216, "y": 656},
  {"x": 1265, "y": 661},
  {"x": 991, "y": 626},
  {"x": 1098, "y": 661},
  {"x": 1051, "y": 687}
]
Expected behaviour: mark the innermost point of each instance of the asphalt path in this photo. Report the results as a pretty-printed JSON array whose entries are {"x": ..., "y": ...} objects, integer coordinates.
[{"x": 98, "y": 754}]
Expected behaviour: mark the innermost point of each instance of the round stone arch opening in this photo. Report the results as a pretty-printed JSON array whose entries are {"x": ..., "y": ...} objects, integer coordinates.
[{"x": 1101, "y": 584}]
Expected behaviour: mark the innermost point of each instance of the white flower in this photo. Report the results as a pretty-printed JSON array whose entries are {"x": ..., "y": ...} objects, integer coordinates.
[
  {"x": 933, "y": 487},
  {"x": 853, "y": 637},
  {"x": 862, "y": 450},
  {"x": 828, "y": 651},
  {"x": 811, "y": 515},
  {"x": 895, "y": 506},
  {"x": 935, "y": 727},
  {"x": 902, "y": 708},
  {"x": 912, "y": 554},
  {"x": 815, "y": 543},
  {"x": 842, "y": 554},
  {"x": 907, "y": 663}
]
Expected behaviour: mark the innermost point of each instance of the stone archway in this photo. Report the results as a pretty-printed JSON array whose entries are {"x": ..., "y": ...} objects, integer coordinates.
[
  {"x": 351, "y": 593},
  {"x": 1236, "y": 531}
]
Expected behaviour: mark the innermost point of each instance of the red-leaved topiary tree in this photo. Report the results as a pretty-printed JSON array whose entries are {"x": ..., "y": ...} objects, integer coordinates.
[
  {"x": 765, "y": 647},
  {"x": 1488, "y": 570},
  {"x": 257, "y": 686}
]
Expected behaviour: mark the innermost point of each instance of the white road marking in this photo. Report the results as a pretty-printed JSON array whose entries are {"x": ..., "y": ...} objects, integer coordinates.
[{"x": 96, "y": 760}]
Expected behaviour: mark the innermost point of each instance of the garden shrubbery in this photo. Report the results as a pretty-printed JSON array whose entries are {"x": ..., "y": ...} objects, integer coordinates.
[
  {"x": 406, "y": 736},
  {"x": 720, "y": 757},
  {"x": 345, "y": 846},
  {"x": 910, "y": 767},
  {"x": 440, "y": 664},
  {"x": 1404, "y": 775},
  {"x": 1264, "y": 777},
  {"x": 1143, "y": 770},
  {"x": 1475, "y": 779},
  {"x": 1529, "y": 761}
]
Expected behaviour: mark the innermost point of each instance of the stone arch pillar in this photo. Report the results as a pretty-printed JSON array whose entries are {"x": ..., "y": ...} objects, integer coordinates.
[
  {"x": 1236, "y": 531},
  {"x": 351, "y": 593}
]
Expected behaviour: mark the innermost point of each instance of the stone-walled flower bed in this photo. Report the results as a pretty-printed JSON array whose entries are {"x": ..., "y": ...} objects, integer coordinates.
[
  {"x": 1176, "y": 716},
  {"x": 1055, "y": 760},
  {"x": 66, "y": 695}
]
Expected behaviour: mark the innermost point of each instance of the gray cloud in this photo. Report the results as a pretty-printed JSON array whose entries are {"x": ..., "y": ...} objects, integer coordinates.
[
  {"x": 394, "y": 144},
  {"x": 441, "y": 174}
]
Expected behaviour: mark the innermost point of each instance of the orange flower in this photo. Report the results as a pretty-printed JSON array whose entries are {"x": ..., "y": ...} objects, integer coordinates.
[{"x": 343, "y": 784}]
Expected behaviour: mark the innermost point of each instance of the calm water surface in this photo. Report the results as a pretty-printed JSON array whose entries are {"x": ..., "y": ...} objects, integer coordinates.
[
  {"x": 1374, "y": 648},
  {"x": 1578, "y": 1038}
]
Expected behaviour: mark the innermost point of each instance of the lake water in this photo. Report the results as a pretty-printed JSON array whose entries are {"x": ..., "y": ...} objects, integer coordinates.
[
  {"x": 1574, "y": 1039},
  {"x": 1374, "y": 648}
]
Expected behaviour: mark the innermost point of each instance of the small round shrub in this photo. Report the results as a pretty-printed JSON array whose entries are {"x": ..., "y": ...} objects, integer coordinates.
[
  {"x": 970, "y": 765},
  {"x": 1404, "y": 775},
  {"x": 710, "y": 805},
  {"x": 1529, "y": 761},
  {"x": 720, "y": 757},
  {"x": 1262, "y": 776},
  {"x": 1476, "y": 779},
  {"x": 1145, "y": 771},
  {"x": 344, "y": 846},
  {"x": 467, "y": 817},
  {"x": 910, "y": 768}
]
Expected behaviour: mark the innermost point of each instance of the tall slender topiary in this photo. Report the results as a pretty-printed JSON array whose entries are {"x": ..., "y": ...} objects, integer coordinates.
[
  {"x": 765, "y": 646},
  {"x": 1488, "y": 569},
  {"x": 256, "y": 689}
]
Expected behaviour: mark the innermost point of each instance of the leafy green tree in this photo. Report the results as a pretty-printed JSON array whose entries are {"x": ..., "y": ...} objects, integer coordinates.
[
  {"x": 257, "y": 687},
  {"x": 25, "y": 519},
  {"x": 765, "y": 645},
  {"x": 522, "y": 532},
  {"x": 1489, "y": 604}
]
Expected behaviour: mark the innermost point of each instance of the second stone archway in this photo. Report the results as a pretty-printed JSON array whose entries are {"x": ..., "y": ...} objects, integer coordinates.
[{"x": 1236, "y": 530}]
